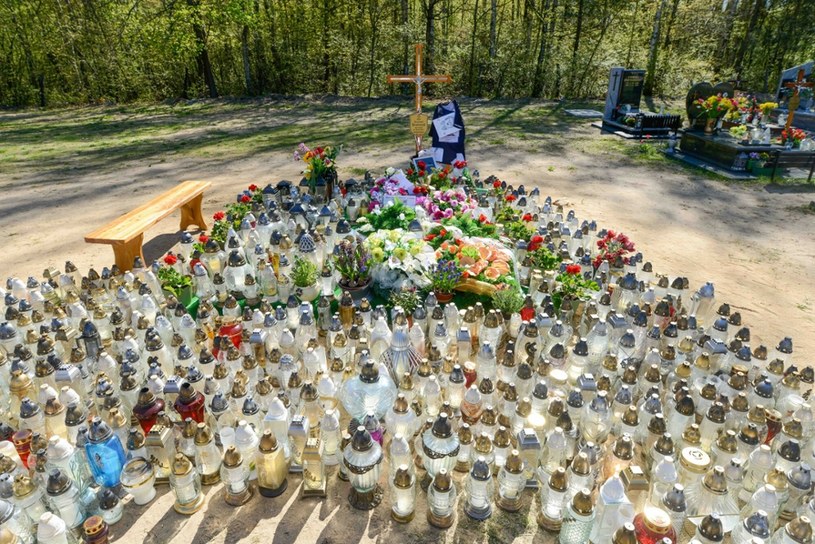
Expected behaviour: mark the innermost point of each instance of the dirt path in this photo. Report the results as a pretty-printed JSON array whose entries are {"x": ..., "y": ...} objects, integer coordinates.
[{"x": 62, "y": 176}]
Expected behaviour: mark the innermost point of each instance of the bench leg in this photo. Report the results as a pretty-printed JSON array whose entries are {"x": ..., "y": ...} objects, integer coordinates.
[
  {"x": 125, "y": 252},
  {"x": 191, "y": 214}
]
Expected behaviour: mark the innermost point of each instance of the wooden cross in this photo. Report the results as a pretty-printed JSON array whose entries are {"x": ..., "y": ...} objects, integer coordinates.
[
  {"x": 418, "y": 79},
  {"x": 795, "y": 99}
]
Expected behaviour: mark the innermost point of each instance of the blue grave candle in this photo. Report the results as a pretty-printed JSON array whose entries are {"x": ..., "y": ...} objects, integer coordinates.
[{"x": 106, "y": 456}]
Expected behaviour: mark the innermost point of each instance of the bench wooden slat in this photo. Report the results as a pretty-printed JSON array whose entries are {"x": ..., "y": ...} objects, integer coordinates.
[{"x": 134, "y": 223}]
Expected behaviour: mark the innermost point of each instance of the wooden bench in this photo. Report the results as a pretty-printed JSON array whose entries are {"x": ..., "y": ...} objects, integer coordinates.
[
  {"x": 793, "y": 159},
  {"x": 126, "y": 233}
]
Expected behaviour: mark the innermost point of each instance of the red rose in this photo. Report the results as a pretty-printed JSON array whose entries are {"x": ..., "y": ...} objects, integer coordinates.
[
  {"x": 429, "y": 237},
  {"x": 443, "y": 232},
  {"x": 482, "y": 218},
  {"x": 218, "y": 216},
  {"x": 537, "y": 239},
  {"x": 203, "y": 238},
  {"x": 402, "y": 191},
  {"x": 170, "y": 259},
  {"x": 246, "y": 198},
  {"x": 510, "y": 198},
  {"x": 421, "y": 172},
  {"x": 410, "y": 171},
  {"x": 460, "y": 164},
  {"x": 422, "y": 165},
  {"x": 496, "y": 184},
  {"x": 573, "y": 269},
  {"x": 527, "y": 217},
  {"x": 253, "y": 187}
]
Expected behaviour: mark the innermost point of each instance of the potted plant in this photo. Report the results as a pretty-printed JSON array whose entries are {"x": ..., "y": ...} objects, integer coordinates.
[
  {"x": 444, "y": 277},
  {"x": 714, "y": 107},
  {"x": 353, "y": 262},
  {"x": 175, "y": 283},
  {"x": 304, "y": 277},
  {"x": 761, "y": 165},
  {"x": 406, "y": 298},
  {"x": 508, "y": 301},
  {"x": 573, "y": 286}
]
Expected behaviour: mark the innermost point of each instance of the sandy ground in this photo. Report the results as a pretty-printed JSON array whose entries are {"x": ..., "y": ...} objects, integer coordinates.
[{"x": 753, "y": 242}]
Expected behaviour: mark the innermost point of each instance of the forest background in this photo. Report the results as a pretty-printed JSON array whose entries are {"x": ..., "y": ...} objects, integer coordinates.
[{"x": 63, "y": 52}]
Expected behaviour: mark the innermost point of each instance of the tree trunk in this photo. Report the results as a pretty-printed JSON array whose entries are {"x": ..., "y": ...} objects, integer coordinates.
[
  {"x": 653, "y": 50},
  {"x": 471, "y": 76},
  {"x": 204, "y": 64},
  {"x": 247, "y": 67},
  {"x": 537, "y": 82},
  {"x": 669, "y": 27},
  {"x": 373, "y": 15},
  {"x": 751, "y": 25},
  {"x": 430, "y": 36},
  {"x": 576, "y": 46},
  {"x": 406, "y": 36},
  {"x": 493, "y": 27},
  {"x": 632, "y": 33}
]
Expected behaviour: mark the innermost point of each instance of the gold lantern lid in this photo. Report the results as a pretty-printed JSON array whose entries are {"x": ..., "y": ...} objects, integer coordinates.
[
  {"x": 558, "y": 480},
  {"x": 232, "y": 457},
  {"x": 268, "y": 442},
  {"x": 442, "y": 482},
  {"x": 715, "y": 481},
  {"x": 799, "y": 530},
  {"x": 582, "y": 503},
  {"x": 402, "y": 479},
  {"x": 625, "y": 535},
  {"x": 181, "y": 465},
  {"x": 203, "y": 434},
  {"x": 711, "y": 528},
  {"x": 580, "y": 464},
  {"x": 514, "y": 463}
]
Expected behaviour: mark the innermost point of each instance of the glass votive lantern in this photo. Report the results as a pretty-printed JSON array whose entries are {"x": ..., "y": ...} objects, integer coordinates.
[
  {"x": 272, "y": 467},
  {"x": 95, "y": 530},
  {"x": 403, "y": 495},
  {"x": 207, "y": 456},
  {"x": 63, "y": 495},
  {"x": 441, "y": 500},
  {"x": 186, "y": 483},
  {"x": 479, "y": 488},
  {"x": 363, "y": 458},
  {"x": 314, "y": 482},
  {"x": 138, "y": 479},
  {"x": 105, "y": 454},
  {"x": 511, "y": 483},
  {"x": 552, "y": 500},
  {"x": 235, "y": 474},
  {"x": 28, "y": 497},
  {"x": 440, "y": 446},
  {"x": 110, "y": 507}
]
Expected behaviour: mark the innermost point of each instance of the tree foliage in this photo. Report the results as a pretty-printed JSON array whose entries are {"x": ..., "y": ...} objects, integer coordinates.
[{"x": 56, "y": 52}]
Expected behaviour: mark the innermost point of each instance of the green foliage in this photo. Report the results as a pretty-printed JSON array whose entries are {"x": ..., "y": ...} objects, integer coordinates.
[
  {"x": 303, "y": 273},
  {"x": 395, "y": 216},
  {"x": 573, "y": 286},
  {"x": 472, "y": 227},
  {"x": 518, "y": 230},
  {"x": 544, "y": 259},
  {"x": 92, "y": 52},
  {"x": 406, "y": 298},
  {"x": 508, "y": 301},
  {"x": 173, "y": 281}
]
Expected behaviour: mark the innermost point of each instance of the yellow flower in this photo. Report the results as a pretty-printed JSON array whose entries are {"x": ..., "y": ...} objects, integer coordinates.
[
  {"x": 400, "y": 253},
  {"x": 393, "y": 236},
  {"x": 415, "y": 249},
  {"x": 378, "y": 255}
]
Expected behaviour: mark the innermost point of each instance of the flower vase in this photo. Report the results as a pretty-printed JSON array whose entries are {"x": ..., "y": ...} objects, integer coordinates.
[
  {"x": 709, "y": 126},
  {"x": 443, "y": 298},
  {"x": 358, "y": 292}
]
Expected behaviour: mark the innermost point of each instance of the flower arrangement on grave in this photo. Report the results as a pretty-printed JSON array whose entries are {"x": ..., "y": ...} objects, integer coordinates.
[
  {"x": 418, "y": 175},
  {"x": 630, "y": 120},
  {"x": 716, "y": 106},
  {"x": 795, "y": 135},
  {"x": 518, "y": 230},
  {"x": 573, "y": 285},
  {"x": 612, "y": 246},
  {"x": 485, "y": 263},
  {"x": 398, "y": 256},
  {"x": 444, "y": 277},
  {"x": 353, "y": 262},
  {"x": 393, "y": 215},
  {"x": 320, "y": 163},
  {"x": 508, "y": 300},
  {"x": 386, "y": 186},
  {"x": 739, "y": 132},
  {"x": 468, "y": 225},
  {"x": 231, "y": 217},
  {"x": 445, "y": 204},
  {"x": 759, "y": 159},
  {"x": 767, "y": 108},
  {"x": 450, "y": 176}
]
